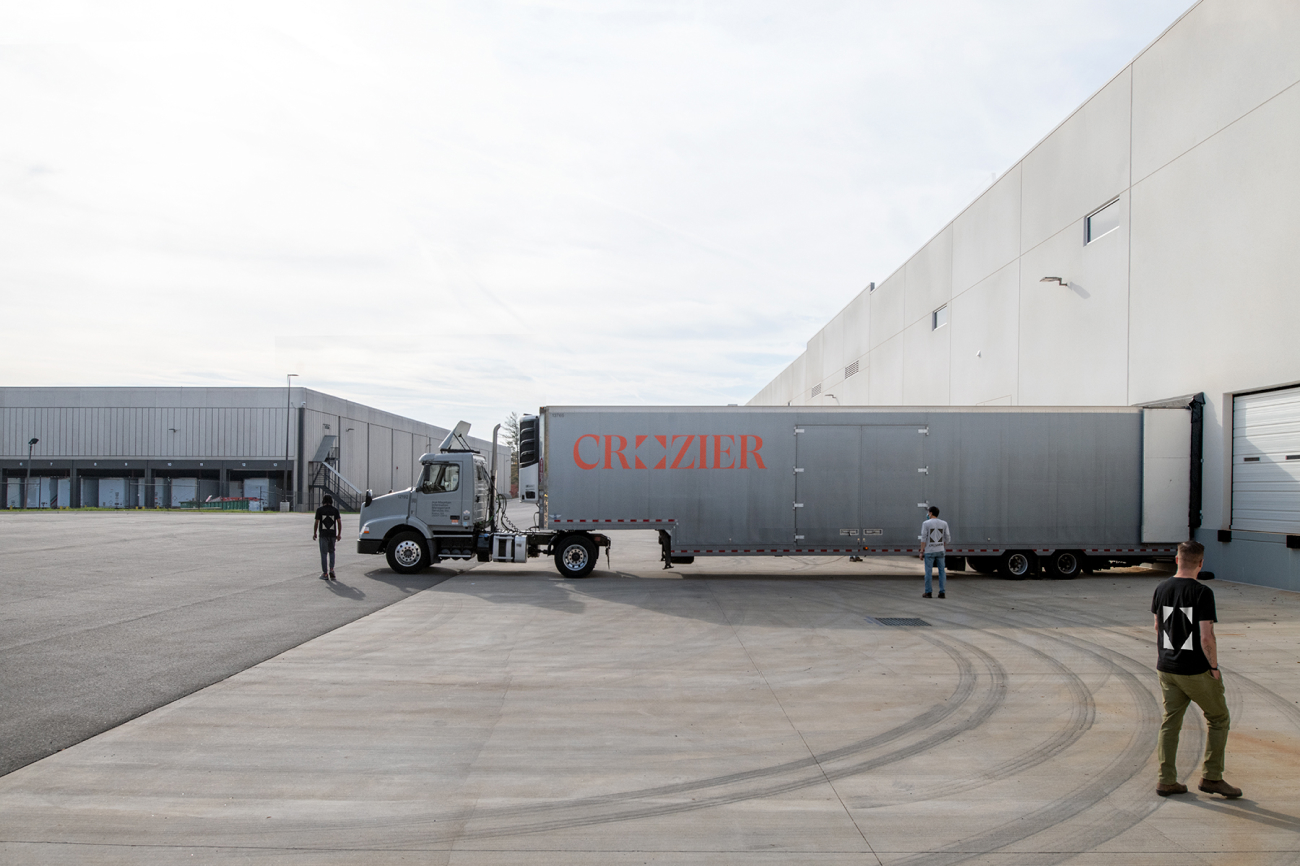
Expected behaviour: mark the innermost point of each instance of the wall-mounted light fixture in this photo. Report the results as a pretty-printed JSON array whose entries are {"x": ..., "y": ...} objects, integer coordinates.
[{"x": 1057, "y": 280}]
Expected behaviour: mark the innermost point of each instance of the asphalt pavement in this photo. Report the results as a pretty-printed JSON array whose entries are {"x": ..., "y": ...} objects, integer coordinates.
[{"x": 108, "y": 615}]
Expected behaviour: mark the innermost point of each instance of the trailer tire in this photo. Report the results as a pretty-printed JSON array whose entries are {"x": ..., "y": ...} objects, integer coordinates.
[
  {"x": 1065, "y": 564},
  {"x": 983, "y": 564},
  {"x": 1017, "y": 564},
  {"x": 407, "y": 553},
  {"x": 575, "y": 556}
]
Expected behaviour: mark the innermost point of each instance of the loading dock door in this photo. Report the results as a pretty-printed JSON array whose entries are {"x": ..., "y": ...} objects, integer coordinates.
[
  {"x": 859, "y": 485},
  {"x": 1266, "y": 461}
]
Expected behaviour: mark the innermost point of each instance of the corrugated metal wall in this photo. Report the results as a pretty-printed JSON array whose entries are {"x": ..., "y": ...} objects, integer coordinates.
[{"x": 210, "y": 432}]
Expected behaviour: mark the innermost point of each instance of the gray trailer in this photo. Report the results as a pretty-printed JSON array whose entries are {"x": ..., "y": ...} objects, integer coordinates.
[{"x": 1061, "y": 489}]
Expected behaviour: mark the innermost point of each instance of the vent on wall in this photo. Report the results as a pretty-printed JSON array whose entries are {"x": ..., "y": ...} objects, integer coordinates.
[
  {"x": 850, "y": 369},
  {"x": 817, "y": 389}
]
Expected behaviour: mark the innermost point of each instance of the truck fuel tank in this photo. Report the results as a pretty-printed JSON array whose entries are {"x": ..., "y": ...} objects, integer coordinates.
[{"x": 509, "y": 548}]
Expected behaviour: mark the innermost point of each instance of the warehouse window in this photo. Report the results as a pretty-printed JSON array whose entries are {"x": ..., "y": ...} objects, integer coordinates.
[
  {"x": 939, "y": 318},
  {"x": 1101, "y": 222}
]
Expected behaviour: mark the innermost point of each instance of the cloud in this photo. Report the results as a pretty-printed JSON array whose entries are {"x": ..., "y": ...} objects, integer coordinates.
[{"x": 464, "y": 209}]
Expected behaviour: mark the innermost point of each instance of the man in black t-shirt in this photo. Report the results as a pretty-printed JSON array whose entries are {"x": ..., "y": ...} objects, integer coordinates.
[
  {"x": 1188, "y": 669},
  {"x": 328, "y": 527}
]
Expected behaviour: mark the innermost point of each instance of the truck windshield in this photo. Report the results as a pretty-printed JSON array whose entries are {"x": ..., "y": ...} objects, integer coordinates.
[{"x": 440, "y": 478}]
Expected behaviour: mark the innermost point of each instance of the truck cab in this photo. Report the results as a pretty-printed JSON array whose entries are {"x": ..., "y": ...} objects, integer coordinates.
[{"x": 438, "y": 518}]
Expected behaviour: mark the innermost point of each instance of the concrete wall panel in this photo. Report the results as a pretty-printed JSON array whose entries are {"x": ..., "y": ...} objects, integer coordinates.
[
  {"x": 928, "y": 278},
  {"x": 857, "y": 335},
  {"x": 812, "y": 371},
  {"x": 1207, "y": 315},
  {"x": 1073, "y": 348},
  {"x": 885, "y": 382},
  {"x": 986, "y": 320},
  {"x": 855, "y": 390},
  {"x": 986, "y": 236},
  {"x": 1079, "y": 167},
  {"x": 887, "y": 309},
  {"x": 1222, "y": 60},
  {"x": 926, "y": 354}
]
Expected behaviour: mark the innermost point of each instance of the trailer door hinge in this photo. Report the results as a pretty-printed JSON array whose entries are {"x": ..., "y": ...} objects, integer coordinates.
[
  {"x": 922, "y": 505},
  {"x": 798, "y": 505},
  {"x": 798, "y": 538},
  {"x": 798, "y": 430},
  {"x": 924, "y": 470},
  {"x": 924, "y": 431},
  {"x": 798, "y": 469}
]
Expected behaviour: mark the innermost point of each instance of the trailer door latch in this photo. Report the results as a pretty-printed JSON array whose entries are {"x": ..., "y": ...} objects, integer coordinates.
[
  {"x": 798, "y": 430},
  {"x": 924, "y": 470},
  {"x": 798, "y": 505},
  {"x": 924, "y": 431},
  {"x": 798, "y": 469}
]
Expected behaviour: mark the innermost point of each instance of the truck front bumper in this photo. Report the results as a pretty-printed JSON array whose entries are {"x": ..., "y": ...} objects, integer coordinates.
[{"x": 369, "y": 545}]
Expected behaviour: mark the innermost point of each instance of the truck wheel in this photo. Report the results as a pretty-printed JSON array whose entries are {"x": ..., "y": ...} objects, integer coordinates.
[
  {"x": 407, "y": 553},
  {"x": 1017, "y": 564},
  {"x": 1064, "y": 565},
  {"x": 575, "y": 556}
]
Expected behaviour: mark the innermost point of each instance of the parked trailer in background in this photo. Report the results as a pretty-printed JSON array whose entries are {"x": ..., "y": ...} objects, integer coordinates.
[{"x": 1067, "y": 489}]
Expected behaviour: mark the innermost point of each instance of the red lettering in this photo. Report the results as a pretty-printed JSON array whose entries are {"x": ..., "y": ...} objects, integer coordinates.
[
  {"x": 610, "y": 451},
  {"x": 746, "y": 452},
  {"x": 663, "y": 443},
  {"x": 639, "y": 440},
  {"x": 677, "y": 461},
  {"x": 704, "y": 457},
  {"x": 577, "y": 456},
  {"x": 718, "y": 451}
]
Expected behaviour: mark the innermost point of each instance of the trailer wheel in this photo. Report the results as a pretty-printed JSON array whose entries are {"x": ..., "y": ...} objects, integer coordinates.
[
  {"x": 1064, "y": 564},
  {"x": 1017, "y": 564},
  {"x": 575, "y": 556},
  {"x": 407, "y": 554}
]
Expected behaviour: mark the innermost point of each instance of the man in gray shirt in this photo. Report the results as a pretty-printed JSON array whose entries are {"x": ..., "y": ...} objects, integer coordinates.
[{"x": 935, "y": 534}]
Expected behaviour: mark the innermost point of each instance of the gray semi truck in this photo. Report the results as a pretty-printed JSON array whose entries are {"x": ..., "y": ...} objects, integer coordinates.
[{"x": 1056, "y": 489}]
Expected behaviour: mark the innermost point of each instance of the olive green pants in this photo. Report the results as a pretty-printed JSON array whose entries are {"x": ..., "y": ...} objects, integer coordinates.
[{"x": 1178, "y": 691}]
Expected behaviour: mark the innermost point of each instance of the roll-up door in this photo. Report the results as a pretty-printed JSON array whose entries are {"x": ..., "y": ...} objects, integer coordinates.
[{"x": 1266, "y": 461}]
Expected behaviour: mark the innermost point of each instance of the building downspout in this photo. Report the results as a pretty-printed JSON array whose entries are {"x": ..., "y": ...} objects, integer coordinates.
[{"x": 1197, "y": 463}]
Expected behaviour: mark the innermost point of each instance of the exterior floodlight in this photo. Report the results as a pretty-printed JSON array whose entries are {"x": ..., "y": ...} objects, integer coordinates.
[{"x": 1054, "y": 280}]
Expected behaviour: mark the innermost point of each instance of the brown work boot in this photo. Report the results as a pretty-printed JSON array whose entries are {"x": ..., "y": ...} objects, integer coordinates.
[
  {"x": 1164, "y": 789},
  {"x": 1218, "y": 786}
]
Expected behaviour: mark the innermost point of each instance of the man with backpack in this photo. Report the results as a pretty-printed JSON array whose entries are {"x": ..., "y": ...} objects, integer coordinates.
[{"x": 328, "y": 527}]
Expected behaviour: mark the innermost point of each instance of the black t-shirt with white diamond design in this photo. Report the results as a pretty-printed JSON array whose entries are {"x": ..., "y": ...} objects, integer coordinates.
[{"x": 1182, "y": 604}]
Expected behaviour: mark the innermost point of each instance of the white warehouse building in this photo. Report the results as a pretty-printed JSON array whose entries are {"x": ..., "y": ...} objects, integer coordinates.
[{"x": 1143, "y": 253}]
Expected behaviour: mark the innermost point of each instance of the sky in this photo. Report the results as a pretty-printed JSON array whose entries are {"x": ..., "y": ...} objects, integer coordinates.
[{"x": 463, "y": 209}]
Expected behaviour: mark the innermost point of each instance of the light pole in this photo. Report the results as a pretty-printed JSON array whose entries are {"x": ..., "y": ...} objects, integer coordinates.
[
  {"x": 288, "y": 411},
  {"x": 27, "y": 485}
]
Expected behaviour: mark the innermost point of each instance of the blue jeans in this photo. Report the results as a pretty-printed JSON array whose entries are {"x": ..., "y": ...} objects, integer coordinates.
[{"x": 930, "y": 560}]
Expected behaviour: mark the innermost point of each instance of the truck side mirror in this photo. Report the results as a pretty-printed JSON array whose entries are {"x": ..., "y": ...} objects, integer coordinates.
[{"x": 370, "y": 497}]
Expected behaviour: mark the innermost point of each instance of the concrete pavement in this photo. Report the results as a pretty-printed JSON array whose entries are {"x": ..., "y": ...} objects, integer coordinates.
[
  {"x": 107, "y": 615},
  {"x": 732, "y": 711}
]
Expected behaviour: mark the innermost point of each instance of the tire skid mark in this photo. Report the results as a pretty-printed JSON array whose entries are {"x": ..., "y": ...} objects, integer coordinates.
[
  {"x": 1118, "y": 773},
  {"x": 800, "y": 774},
  {"x": 1083, "y": 711}
]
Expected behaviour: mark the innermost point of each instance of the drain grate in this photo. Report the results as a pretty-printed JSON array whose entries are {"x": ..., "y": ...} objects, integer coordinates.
[{"x": 898, "y": 621}]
